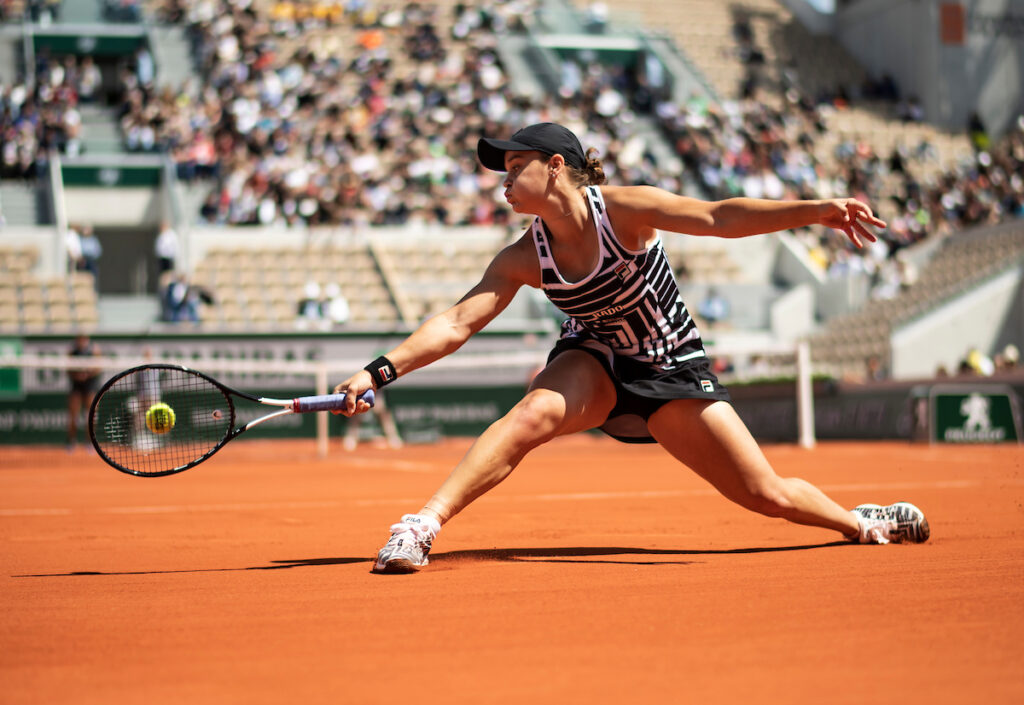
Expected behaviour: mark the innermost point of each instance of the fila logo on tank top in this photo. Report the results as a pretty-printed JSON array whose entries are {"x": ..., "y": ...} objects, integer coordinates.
[{"x": 630, "y": 302}]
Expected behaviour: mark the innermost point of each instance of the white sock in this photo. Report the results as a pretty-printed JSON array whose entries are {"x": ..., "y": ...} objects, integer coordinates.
[{"x": 423, "y": 520}]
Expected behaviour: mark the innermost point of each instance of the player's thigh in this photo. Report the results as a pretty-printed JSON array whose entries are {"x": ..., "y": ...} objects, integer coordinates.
[
  {"x": 573, "y": 391},
  {"x": 711, "y": 439}
]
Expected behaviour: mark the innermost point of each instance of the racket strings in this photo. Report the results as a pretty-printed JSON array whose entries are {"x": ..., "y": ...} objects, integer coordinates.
[{"x": 202, "y": 417}]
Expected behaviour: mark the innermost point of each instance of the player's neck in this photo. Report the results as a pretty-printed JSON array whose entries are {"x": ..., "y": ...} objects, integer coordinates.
[{"x": 567, "y": 215}]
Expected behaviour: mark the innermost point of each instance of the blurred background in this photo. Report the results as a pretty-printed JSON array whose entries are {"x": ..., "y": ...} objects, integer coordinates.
[{"x": 292, "y": 186}]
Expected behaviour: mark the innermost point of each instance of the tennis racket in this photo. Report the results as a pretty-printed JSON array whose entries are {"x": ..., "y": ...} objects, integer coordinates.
[{"x": 161, "y": 419}]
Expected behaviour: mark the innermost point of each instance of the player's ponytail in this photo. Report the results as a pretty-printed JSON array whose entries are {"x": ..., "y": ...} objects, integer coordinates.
[{"x": 590, "y": 175}]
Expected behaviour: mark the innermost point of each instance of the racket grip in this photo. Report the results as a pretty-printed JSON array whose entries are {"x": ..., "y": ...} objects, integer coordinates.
[{"x": 327, "y": 402}]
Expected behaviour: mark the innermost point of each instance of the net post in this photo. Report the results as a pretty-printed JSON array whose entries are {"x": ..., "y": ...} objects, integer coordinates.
[
  {"x": 804, "y": 395},
  {"x": 322, "y": 437}
]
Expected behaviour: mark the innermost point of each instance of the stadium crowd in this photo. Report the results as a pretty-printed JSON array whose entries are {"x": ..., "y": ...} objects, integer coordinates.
[
  {"x": 43, "y": 115},
  {"x": 372, "y": 118},
  {"x": 360, "y": 113}
]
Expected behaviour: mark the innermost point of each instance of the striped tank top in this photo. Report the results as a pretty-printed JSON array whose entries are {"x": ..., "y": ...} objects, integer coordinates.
[{"x": 629, "y": 303}]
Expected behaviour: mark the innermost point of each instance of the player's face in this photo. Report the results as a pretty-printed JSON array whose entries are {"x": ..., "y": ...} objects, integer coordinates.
[{"x": 527, "y": 182}]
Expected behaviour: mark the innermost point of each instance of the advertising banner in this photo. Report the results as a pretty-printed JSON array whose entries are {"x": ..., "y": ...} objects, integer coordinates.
[{"x": 974, "y": 414}]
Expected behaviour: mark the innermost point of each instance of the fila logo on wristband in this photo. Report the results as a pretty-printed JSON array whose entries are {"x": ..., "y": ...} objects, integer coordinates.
[{"x": 382, "y": 371}]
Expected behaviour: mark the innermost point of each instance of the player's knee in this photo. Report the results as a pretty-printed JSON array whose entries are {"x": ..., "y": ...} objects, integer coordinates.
[{"x": 538, "y": 415}]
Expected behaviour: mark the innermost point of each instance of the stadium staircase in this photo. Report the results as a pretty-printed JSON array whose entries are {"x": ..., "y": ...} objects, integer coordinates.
[
  {"x": 9, "y": 58},
  {"x": 100, "y": 131},
  {"x": 20, "y": 203},
  {"x": 81, "y": 12},
  {"x": 172, "y": 55}
]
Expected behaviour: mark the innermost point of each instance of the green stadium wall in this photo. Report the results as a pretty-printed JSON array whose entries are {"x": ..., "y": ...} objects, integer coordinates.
[{"x": 432, "y": 403}]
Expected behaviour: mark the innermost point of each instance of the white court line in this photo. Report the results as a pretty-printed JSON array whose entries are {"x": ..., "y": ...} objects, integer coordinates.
[
  {"x": 550, "y": 497},
  {"x": 939, "y": 485},
  {"x": 399, "y": 465},
  {"x": 34, "y": 512},
  {"x": 237, "y": 507}
]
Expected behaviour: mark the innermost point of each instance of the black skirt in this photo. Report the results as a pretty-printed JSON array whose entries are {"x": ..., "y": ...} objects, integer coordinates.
[{"x": 641, "y": 389}]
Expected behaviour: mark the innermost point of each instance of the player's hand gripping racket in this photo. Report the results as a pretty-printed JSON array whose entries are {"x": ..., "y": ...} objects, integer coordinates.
[{"x": 161, "y": 419}]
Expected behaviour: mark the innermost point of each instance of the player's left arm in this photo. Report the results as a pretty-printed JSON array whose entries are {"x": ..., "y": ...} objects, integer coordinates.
[
  {"x": 446, "y": 332},
  {"x": 651, "y": 207}
]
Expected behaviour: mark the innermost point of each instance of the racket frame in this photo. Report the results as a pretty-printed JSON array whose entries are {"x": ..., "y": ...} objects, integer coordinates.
[{"x": 290, "y": 406}]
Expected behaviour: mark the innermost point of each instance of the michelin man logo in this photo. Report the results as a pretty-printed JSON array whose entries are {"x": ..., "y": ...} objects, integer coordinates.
[
  {"x": 975, "y": 408},
  {"x": 109, "y": 176},
  {"x": 977, "y": 426}
]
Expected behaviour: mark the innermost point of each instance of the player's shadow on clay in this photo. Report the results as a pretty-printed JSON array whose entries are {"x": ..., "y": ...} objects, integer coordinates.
[
  {"x": 610, "y": 554},
  {"x": 580, "y": 554},
  {"x": 275, "y": 565}
]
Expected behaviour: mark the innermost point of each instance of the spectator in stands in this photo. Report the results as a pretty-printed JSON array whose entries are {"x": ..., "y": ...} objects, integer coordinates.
[
  {"x": 1007, "y": 359},
  {"x": 122, "y": 10},
  {"x": 182, "y": 300},
  {"x": 311, "y": 306},
  {"x": 92, "y": 250},
  {"x": 596, "y": 17},
  {"x": 44, "y": 12},
  {"x": 90, "y": 81},
  {"x": 911, "y": 110},
  {"x": 73, "y": 247},
  {"x": 884, "y": 89},
  {"x": 145, "y": 68},
  {"x": 173, "y": 297},
  {"x": 977, "y": 132},
  {"x": 714, "y": 308},
  {"x": 335, "y": 306},
  {"x": 195, "y": 296},
  {"x": 166, "y": 248},
  {"x": 875, "y": 371},
  {"x": 170, "y": 11},
  {"x": 980, "y": 363}
]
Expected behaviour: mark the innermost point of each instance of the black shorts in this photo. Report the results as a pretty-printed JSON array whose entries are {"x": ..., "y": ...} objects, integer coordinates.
[
  {"x": 86, "y": 387},
  {"x": 641, "y": 390}
]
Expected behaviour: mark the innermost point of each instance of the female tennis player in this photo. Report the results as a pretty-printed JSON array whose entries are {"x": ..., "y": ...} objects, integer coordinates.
[{"x": 630, "y": 359}]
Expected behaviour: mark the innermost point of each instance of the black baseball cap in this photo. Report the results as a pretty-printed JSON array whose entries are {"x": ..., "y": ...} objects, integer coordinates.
[{"x": 546, "y": 137}]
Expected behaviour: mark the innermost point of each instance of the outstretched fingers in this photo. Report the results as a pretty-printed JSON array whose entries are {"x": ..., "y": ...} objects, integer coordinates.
[
  {"x": 862, "y": 211},
  {"x": 855, "y": 215}
]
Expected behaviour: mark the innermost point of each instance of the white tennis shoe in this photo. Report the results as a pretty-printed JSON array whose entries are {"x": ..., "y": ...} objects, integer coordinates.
[
  {"x": 407, "y": 550},
  {"x": 897, "y": 523}
]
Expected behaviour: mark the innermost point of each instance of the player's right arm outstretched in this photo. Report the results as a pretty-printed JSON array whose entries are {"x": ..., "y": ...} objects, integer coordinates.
[{"x": 446, "y": 332}]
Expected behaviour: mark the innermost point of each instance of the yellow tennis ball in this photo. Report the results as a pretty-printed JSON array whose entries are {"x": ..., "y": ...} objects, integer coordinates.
[{"x": 160, "y": 418}]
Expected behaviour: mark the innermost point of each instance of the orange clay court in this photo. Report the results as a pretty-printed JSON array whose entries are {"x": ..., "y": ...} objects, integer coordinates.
[{"x": 598, "y": 573}]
